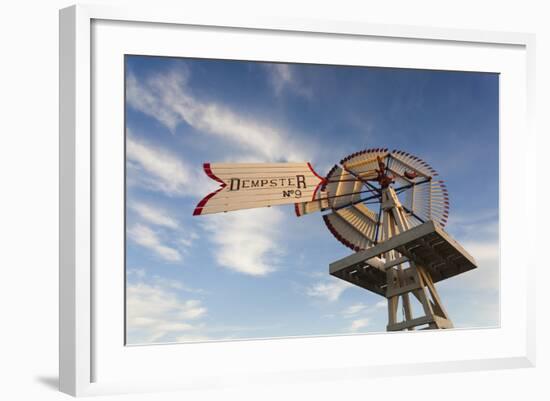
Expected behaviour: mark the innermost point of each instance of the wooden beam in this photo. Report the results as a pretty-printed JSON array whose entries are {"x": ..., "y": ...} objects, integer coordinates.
[
  {"x": 391, "y": 292},
  {"x": 395, "y": 262},
  {"x": 387, "y": 245},
  {"x": 419, "y": 321}
]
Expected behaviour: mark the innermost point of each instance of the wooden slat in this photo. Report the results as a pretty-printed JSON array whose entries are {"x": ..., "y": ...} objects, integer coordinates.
[
  {"x": 258, "y": 198},
  {"x": 424, "y": 172},
  {"x": 265, "y": 174},
  {"x": 231, "y": 207},
  {"x": 367, "y": 212},
  {"x": 354, "y": 164},
  {"x": 241, "y": 166},
  {"x": 414, "y": 322},
  {"x": 345, "y": 186},
  {"x": 358, "y": 186},
  {"x": 348, "y": 231},
  {"x": 358, "y": 220}
]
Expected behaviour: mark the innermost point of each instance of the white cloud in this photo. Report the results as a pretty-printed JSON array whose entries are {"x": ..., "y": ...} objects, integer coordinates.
[
  {"x": 151, "y": 98},
  {"x": 181, "y": 239},
  {"x": 191, "y": 337},
  {"x": 481, "y": 311},
  {"x": 354, "y": 309},
  {"x": 283, "y": 77},
  {"x": 477, "y": 232},
  {"x": 156, "y": 313},
  {"x": 157, "y": 169},
  {"x": 381, "y": 304},
  {"x": 486, "y": 275},
  {"x": 139, "y": 273},
  {"x": 246, "y": 241},
  {"x": 144, "y": 236},
  {"x": 329, "y": 291},
  {"x": 358, "y": 324},
  {"x": 362, "y": 313},
  {"x": 174, "y": 284},
  {"x": 483, "y": 251},
  {"x": 154, "y": 215},
  {"x": 167, "y": 98},
  {"x": 188, "y": 239},
  {"x": 474, "y": 225}
]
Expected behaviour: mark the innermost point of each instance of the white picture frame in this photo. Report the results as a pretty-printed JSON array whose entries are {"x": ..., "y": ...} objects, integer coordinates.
[{"x": 93, "y": 358}]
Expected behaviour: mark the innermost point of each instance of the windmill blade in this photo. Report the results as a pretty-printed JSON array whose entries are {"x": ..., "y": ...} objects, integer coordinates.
[
  {"x": 412, "y": 221},
  {"x": 346, "y": 192},
  {"x": 416, "y": 196},
  {"x": 342, "y": 188},
  {"x": 365, "y": 162},
  {"x": 354, "y": 226},
  {"x": 404, "y": 161},
  {"x": 425, "y": 197},
  {"x": 428, "y": 200},
  {"x": 401, "y": 182},
  {"x": 439, "y": 202}
]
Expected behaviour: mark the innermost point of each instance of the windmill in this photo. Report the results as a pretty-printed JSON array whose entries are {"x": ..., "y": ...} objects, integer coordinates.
[{"x": 389, "y": 207}]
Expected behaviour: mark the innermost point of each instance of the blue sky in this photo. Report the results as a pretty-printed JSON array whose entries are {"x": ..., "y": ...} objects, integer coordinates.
[{"x": 264, "y": 272}]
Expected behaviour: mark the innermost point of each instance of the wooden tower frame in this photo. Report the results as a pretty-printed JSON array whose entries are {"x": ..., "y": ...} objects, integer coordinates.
[
  {"x": 402, "y": 264},
  {"x": 405, "y": 281}
]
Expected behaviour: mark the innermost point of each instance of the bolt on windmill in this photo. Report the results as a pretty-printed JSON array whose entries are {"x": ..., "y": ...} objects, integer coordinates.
[{"x": 388, "y": 207}]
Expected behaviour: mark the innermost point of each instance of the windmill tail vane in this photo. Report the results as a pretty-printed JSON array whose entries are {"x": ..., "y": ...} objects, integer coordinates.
[{"x": 254, "y": 185}]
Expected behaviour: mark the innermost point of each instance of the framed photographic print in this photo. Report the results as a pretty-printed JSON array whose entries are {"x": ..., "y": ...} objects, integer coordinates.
[{"x": 276, "y": 200}]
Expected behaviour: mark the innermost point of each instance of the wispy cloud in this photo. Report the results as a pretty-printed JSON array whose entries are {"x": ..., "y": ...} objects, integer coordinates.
[
  {"x": 478, "y": 233},
  {"x": 481, "y": 311},
  {"x": 167, "y": 98},
  {"x": 483, "y": 251},
  {"x": 164, "y": 282},
  {"x": 362, "y": 315},
  {"x": 246, "y": 241},
  {"x": 146, "y": 237},
  {"x": 359, "y": 324},
  {"x": 136, "y": 272},
  {"x": 152, "y": 98},
  {"x": 158, "y": 169},
  {"x": 381, "y": 304},
  {"x": 361, "y": 307},
  {"x": 188, "y": 239},
  {"x": 328, "y": 290},
  {"x": 354, "y": 309},
  {"x": 486, "y": 276},
  {"x": 154, "y": 215},
  {"x": 156, "y": 313},
  {"x": 155, "y": 229},
  {"x": 282, "y": 77},
  {"x": 474, "y": 225},
  {"x": 192, "y": 337},
  {"x": 155, "y": 168}
]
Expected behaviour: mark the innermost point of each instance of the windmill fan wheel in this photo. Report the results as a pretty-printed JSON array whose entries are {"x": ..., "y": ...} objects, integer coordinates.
[{"x": 356, "y": 191}]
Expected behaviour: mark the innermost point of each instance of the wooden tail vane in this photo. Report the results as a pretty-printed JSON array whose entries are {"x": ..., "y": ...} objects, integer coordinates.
[
  {"x": 252, "y": 185},
  {"x": 387, "y": 206}
]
